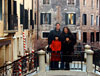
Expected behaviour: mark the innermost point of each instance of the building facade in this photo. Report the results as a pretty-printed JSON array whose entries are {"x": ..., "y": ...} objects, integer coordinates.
[
  {"x": 80, "y": 16},
  {"x": 16, "y": 29},
  {"x": 89, "y": 22}
]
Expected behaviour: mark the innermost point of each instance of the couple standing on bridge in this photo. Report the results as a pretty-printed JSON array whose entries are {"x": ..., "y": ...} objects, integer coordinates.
[{"x": 61, "y": 45}]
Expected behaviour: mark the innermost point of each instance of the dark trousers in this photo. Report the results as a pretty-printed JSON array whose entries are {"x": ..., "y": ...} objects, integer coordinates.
[
  {"x": 54, "y": 65},
  {"x": 62, "y": 62},
  {"x": 67, "y": 66}
]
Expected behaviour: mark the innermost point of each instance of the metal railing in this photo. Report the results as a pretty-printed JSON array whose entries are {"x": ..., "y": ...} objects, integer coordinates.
[
  {"x": 96, "y": 59},
  {"x": 76, "y": 63},
  {"x": 22, "y": 66}
]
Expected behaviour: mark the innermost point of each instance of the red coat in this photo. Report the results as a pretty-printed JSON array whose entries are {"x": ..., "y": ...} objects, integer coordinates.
[{"x": 55, "y": 46}]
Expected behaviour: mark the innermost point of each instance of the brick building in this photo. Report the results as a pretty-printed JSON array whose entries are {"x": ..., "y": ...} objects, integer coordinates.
[
  {"x": 81, "y": 16},
  {"x": 89, "y": 22}
]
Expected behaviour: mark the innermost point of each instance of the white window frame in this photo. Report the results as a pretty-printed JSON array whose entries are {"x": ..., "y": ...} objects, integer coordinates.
[
  {"x": 42, "y": 34},
  {"x": 92, "y": 5},
  {"x": 47, "y": 4},
  {"x": 93, "y": 19},
  {"x": 83, "y": 3},
  {"x": 71, "y": 5},
  {"x": 97, "y": 24},
  {"x": 71, "y": 13},
  {"x": 51, "y": 18},
  {"x": 97, "y": 4}
]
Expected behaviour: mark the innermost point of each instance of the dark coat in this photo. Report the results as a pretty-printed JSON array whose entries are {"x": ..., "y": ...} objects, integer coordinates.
[
  {"x": 52, "y": 35},
  {"x": 67, "y": 47}
]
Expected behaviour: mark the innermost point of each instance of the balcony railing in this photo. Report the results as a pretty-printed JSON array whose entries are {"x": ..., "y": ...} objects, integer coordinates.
[{"x": 22, "y": 66}]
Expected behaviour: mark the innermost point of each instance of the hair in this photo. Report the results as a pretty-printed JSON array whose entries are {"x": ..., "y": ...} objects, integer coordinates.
[
  {"x": 69, "y": 32},
  {"x": 57, "y": 23},
  {"x": 56, "y": 36}
]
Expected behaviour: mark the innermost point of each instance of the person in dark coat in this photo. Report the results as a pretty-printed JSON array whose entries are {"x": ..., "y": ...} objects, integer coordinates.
[
  {"x": 51, "y": 37},
  {"x": 53, "y": 33},
  {"x": 68, "y": 41}
]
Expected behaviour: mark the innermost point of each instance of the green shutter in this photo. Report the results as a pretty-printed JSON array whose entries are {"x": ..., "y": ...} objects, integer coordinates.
[
  {"x": 41, "y": 18},
  {"x": 66, "y": 19},
  {"x": 49, "y": 18},
  {"x": 74, "y": 18},
  {"x": 0, "y": 9}
]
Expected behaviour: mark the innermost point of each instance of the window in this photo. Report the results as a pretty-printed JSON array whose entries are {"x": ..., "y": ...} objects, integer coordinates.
[
  {"x": 35, "y": 18},
  {"x": 9, "y": 14},
  {"x": 46, "y": 1},
  {"x": 92, "y": 37},
  {"x": 92, "y": 20},
  {"x": 31, "y": 17},
  {"x": 45, "y": 34},
  {"x": 97, "y": 3},
  {"x": 0, "y": 9},
  {"x": 84, "y": 2},
  {"x": 15, "y": 8},
  {"x": 84, "y": 37},
  {"x": 45, "y": 18},
  {"x": 70, "y": 19},
  {"x": 97, "y": 20},
  {"x": 97, "y": 36},
  {"x": 26, "y": 20},
  {"x": 92, "y": 3},
  {"x": 71, "y": 2},
  {"x": 21, "y": 13},
  {"x": 84, "y": 19}
]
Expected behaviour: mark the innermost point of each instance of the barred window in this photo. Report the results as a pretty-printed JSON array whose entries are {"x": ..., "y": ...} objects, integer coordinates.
[
  {"x": 45, "y": 18},
  {"x": 46, "y": 1},
  {"x": 70, "y": 18},
  {"x": 71, "y": 2}
]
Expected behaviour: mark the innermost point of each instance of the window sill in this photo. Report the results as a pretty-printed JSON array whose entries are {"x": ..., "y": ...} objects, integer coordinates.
[
  {"x": 70, "y": 25},
  {"x": 46, "y": 24},
  {"x": 10, "y": 31}
]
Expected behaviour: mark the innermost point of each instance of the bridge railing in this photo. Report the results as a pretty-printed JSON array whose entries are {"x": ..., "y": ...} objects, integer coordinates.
[
  {"x": 75, "y": 61},
  {"x": 20, "y": 67},
  {"x": 96, "y": 58}
]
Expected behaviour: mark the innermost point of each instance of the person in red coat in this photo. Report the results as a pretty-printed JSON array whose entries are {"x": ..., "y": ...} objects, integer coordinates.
[{"x": 55, "y": 55}]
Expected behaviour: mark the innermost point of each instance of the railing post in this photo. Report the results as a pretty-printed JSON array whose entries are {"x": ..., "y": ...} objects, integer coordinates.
[
  {"x": 41, "y": 54},
  {"x": 20, "y": 68},
  {"x": 89, "y": 59},
  {"x": 9, "y": 71}
]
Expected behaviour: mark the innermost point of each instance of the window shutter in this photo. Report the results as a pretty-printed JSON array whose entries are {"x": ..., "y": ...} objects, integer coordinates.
[
  {"x": 30, "y": 17},
  {"x": 15, "y": 8},
  {"x": 66, "y": 19},
  {"x": 41, "y": 18},
  {"x": 26, "y": 19},
  {"x": 74, "y": 18},
  {"x": 0, "y": 9},
  {"x": 49, "y": 18},
  {"x": 21, "y": 13},
  {"x": 85, "y": 19}
]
